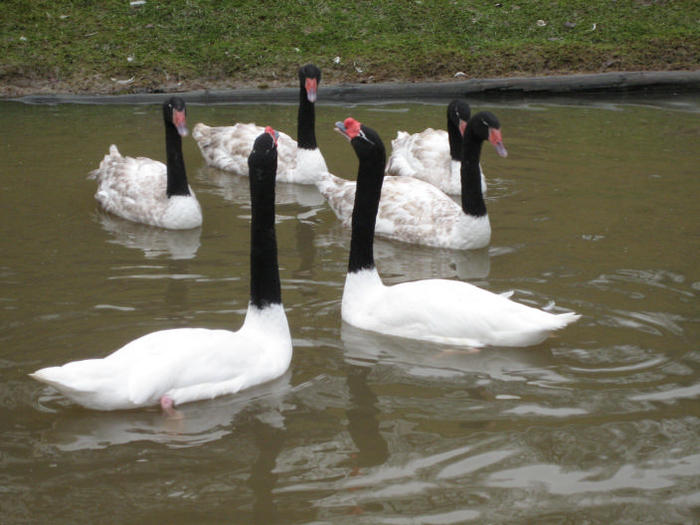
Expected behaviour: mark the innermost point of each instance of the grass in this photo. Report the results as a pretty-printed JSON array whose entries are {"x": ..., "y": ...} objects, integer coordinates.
[{"x": 86, "y": 46}]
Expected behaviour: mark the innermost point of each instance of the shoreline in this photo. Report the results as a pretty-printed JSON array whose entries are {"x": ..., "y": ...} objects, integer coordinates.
[{"x": 499, "y": 88}]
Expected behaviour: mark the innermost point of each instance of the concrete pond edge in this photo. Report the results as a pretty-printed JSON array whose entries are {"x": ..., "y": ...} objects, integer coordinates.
[{"x": 498, "y": 88}]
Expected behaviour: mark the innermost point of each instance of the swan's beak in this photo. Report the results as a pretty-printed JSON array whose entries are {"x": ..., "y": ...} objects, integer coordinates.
[
  {"x": 340, "y": 128},
  {"x": 462, "y": 126},
  {"x": 311, "y": 85},
  {"x": 180, "y": 122},
  {"x": 496, "y": 139}
]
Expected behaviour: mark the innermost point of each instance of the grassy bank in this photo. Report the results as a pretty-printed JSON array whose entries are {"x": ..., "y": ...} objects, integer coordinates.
[{"x": 113, "y": 46}]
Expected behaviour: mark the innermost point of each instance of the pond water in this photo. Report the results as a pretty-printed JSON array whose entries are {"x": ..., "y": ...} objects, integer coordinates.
[{"x": 594, "y": 210}]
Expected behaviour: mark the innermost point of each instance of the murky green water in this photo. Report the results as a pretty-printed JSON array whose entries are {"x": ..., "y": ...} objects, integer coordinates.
[{"x": 595, "y": 209}]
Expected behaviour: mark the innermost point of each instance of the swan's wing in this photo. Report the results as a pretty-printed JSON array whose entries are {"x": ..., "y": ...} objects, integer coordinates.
[
  {"x": 340, "y": 194},
  {"x": 440, "y": 309},
  {"x": 424, "y": 155},
  {"x": 412, "y": 210},
  {"x": 228, "y": 147},
  {"x": 132, "y": 187}
]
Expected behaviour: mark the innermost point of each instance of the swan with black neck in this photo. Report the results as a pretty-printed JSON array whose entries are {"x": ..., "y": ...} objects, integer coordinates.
[
  {"x": 437, "y": 310},
  {"x": 414, "y": 211},
  {"x": 227, "y": 147},
  {"x": 147, "y": 191},
  {"x": 171, "y": 367},
  {"x": 434, "y": 155}
]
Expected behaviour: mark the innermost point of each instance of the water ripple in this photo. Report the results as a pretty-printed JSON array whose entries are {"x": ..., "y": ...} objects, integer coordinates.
[
  {"x": 557, "y": 480},
  {"x": 670, "y": 395}
]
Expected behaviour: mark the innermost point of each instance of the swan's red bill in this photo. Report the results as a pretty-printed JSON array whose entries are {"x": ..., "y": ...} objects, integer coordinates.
[
  {"x": 180, "y": 122},
  {"x": 496, "y": 139},
  {"x": 311, "y": 85}
]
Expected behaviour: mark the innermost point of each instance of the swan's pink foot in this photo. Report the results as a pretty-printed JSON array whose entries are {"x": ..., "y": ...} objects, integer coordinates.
[{"x": 168, "y": 406}]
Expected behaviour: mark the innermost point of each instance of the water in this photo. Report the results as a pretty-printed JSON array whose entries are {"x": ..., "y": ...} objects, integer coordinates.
[{"x": 594, "y": 210}]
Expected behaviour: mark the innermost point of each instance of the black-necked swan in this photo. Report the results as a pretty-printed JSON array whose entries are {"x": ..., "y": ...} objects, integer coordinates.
[
  {"x": 147, "y": 191},
  {"x": 176, "y": 366},
  {"x": 227, "y": 147},
  {"x": 437, "y": 310},
  {"x": 414, "y": 211},
  {"x": 434, "y": 155}
]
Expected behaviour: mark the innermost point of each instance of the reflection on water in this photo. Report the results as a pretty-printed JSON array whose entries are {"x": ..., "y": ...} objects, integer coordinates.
[
  {"x": 594, "y": 210},
  {"x": 236, "y": 189},
  {"x": 154, "y": 242},
  {"x": 200, "y": 423},
  {"x": 444, "y": 362}
]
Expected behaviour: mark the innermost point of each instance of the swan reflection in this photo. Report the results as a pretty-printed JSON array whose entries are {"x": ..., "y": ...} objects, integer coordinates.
[
  {"x": 201, "y": 422},
  {"x": 154, "y": 242},
  {"x": 420, "y": 359},
  {"x": 235, "y": 189}
]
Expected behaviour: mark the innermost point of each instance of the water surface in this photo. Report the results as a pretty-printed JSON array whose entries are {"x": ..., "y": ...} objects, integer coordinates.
[{"x": 595, "y": 210}]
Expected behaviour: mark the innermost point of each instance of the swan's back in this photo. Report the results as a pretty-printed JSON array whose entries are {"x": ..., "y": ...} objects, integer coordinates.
[
  {"x": 132, "y": 187},
  {"x": 227, "y": 147},
  {"x": 445, "y": 311},
  {"x": 424, "y": 155},
  {"x": 186, "y": 364}
]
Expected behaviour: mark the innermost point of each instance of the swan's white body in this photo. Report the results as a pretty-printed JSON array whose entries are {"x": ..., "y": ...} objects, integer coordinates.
[
  {"x": 227, "y": 148},
  {"x": 135, "y": 188},
  {"x": 188, "y": 364},
  {"x": 444, "y": 311},
  {"x": 412, "y": 211},
  {"x": 185, "y": 364},
  {"x": 426, "y": 156}
]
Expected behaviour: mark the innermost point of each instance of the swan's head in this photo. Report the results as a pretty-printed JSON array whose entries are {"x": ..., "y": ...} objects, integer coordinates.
[
  {"x": 458, "y": 112},
  {"x": 485, "y": 126},
  {"x": 309, "y": 79},
  {"x": 365, "y": 141},
  {"x": 174, "y": 111},
  {"x": 263, "y": 156}
]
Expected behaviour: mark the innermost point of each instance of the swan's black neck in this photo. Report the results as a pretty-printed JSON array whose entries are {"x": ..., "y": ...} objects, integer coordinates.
[
  {"x": 306, "y": 122},
  {"x": 455, "y": 139},
  {"x": 370, "y": 176},
  {"x": 177, "y": 178},
  {"x": 472, "y": 197},
  {"x": 265, "y": 288}
]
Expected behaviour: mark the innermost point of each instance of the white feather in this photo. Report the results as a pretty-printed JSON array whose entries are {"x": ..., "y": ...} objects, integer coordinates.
[
  {"x": 186, "y": 364},
  {"x": 444, "y": 311},
  {"x": 426, "y": 156},
  {"x": 412, "y": 211},
  {"x": 227, "y": 148}
]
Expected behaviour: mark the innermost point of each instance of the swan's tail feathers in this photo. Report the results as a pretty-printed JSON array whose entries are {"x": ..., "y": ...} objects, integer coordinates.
[
  {"x": 401, "y": 136},
  {"x": 567, "y": 318},
  {"x": 200, "y": 131},
  {"x": 399, "y": 165},
  {"x": 107, "y": 161},
  {"x": 53, "y": 376}
]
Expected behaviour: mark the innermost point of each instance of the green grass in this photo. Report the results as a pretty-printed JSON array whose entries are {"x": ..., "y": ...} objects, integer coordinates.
[{"x": 82, "y": 45}]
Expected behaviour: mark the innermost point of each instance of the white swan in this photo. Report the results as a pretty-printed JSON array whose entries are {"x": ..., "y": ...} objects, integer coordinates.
[
  {"x": 147, "y": 191},
  {"x": 176, "y": 366},
  {"x": 434, "y": 155},
  {"x": 437, "y": 310},
  {"x": 414, "y": 211},
  {"x": 227, "y": 147}
]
